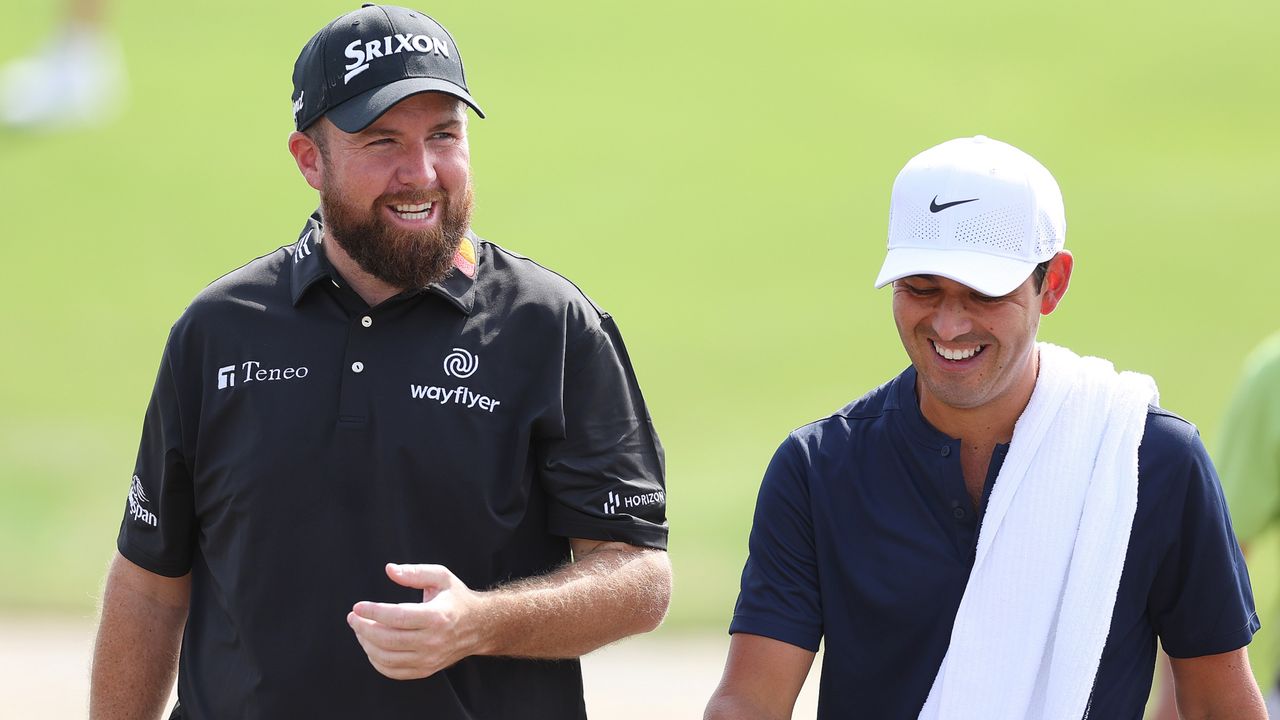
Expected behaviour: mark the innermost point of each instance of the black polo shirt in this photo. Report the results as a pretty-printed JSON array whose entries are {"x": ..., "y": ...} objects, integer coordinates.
[
  {"x": 864, "y": 537},
  {"x": 298, "y": 440}
]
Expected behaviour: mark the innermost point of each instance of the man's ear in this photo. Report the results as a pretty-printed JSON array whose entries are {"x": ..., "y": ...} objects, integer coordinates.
[
  {"x": 308, "y": 157},
  {"x": 1056, "y": 281}
]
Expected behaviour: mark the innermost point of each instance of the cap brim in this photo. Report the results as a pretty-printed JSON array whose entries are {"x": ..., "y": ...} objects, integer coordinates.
[
  {"x": 988, "y": 274},
  {"x": 360, "y": 111}
]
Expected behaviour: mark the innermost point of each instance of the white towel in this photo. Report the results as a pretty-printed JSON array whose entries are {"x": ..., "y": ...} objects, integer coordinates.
[{"x": 1035, "y": 614}]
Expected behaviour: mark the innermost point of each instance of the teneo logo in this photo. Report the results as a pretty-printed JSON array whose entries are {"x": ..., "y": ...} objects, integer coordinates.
[
  {"x": 226, "y": 376},
  {"x": 616, "y": 500},
  {"x": 460, "y": 364},
  {"x": 137, "y": 499},
  {"x": 362, "y": 53},
  {"x": 252, "y": 371}
]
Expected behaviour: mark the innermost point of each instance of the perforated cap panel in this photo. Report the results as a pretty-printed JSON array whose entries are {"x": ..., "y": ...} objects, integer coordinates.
[{"x": 1003, "y": 229}]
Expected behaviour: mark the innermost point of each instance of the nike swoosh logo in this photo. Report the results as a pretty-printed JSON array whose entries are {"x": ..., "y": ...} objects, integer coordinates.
[{"x": 935, "y": 207}]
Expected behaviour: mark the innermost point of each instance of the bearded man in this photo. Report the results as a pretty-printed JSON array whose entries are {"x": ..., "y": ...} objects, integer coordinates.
[{"x": 389, "y": 470}]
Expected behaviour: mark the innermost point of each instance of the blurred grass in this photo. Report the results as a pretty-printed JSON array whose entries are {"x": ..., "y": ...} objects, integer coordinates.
[{"x": 715, "y": 174}]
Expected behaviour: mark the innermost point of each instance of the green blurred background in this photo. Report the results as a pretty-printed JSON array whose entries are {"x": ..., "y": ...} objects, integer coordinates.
[{"x": 716, "y": 174}]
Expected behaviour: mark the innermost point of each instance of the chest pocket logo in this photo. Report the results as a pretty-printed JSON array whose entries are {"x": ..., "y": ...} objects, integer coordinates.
[{"x": 460, "y": 364}]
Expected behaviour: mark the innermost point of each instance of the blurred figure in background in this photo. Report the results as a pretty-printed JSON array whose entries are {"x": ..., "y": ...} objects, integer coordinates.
[
  {"x": 1248, "y": 460},
  {"x": 76, "y": 78}
]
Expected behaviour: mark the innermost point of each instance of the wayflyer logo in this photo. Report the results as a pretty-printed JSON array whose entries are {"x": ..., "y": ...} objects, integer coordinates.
[{"x": 459, "y": 363}]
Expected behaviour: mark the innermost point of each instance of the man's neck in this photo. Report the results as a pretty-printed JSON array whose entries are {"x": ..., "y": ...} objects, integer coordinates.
[
  {"x": 987, "y": 424},
  {"x": 370, "y": 289},
  {"x": 980, "y": 428}
]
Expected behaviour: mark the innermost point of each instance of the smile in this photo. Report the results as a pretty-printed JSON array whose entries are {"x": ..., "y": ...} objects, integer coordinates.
[
  {"x": 420, "y": 211},
  {"x": 963, "y": 353}
]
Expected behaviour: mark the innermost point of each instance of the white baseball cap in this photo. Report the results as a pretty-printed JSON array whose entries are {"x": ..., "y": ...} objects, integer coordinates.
[{"x": 975, "y": 210}]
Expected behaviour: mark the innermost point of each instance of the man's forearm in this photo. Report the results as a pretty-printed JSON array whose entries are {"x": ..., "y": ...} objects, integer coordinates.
[
  {"x": 135, "y": 657},
  {"x": 603, "y": 596}
]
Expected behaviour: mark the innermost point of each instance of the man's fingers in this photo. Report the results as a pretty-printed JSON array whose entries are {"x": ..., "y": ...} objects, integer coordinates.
[
  {"x": 385, "y": 636},
  {"x": 396, "y": 653},
  {"x": 406, "y": 616},
  {"x": 422, "y": 577}
]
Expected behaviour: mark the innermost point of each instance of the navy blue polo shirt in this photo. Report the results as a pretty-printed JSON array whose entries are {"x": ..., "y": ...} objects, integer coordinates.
[
  {"x": 864, "y": 537},
  {"x": 297, "y": 440}
]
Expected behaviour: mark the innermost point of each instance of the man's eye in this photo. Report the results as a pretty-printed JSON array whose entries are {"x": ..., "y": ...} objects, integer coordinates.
[
  {"x": 989, "y": 299},
  {"x": 922, "y": 291}
]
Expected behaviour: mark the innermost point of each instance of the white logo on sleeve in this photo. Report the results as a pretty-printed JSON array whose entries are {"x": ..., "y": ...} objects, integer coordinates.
[
  {"x": 638, "y": 500},
  {"x": 362, "y": 53},
  {"x": 460, "y": 364},
  {"x": 138, "y": 502}
]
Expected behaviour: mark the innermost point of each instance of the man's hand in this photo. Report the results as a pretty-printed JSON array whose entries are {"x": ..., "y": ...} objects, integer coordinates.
[
  {"x": 407, "y": 641},
  {"x": 609, "y": 591}
]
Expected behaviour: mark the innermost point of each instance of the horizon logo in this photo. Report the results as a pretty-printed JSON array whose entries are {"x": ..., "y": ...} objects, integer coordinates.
[
  {"x": 362, "y": 53},
  {"x": 252, "y": 371},
  {"x": 226, "y": 377},
  {"x": 616, "y": 500},
  {"x": 461, "y": 364},
  {"x": 138, "y": 498}
]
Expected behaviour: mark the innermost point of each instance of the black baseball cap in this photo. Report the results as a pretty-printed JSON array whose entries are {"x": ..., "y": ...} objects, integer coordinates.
[{"x": 364, "y": 62}]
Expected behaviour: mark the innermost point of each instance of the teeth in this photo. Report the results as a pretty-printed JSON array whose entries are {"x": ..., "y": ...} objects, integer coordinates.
[
  {"x": 964, "y": 354},
  {"x": 420, "y": 207}
]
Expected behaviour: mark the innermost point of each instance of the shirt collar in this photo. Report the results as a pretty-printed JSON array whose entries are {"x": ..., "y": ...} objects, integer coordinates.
[
  {"x": 310, "y": 266},
  {"x": 908, "y": 405}
]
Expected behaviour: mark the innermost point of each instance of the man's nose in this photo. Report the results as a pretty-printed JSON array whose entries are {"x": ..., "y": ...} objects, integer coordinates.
[
  {"x": 417, "y": 168},
  {"x": 951, "y": 320}
]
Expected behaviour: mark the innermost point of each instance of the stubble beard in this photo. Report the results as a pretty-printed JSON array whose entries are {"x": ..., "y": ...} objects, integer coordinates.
[{"x": 399, "y": 257}]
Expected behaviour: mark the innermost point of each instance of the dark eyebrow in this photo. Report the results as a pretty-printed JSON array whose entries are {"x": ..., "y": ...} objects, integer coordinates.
[
  {"x": 375, "y": 131},
  {"x": 447, "y": 125},
  {"x": 379, "y": 132}
]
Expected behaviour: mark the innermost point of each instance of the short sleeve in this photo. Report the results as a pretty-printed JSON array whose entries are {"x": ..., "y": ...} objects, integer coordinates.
[
  {"x": 158, "y": 530},
  {"x": 605, "y": 472},
  {"x": 780, "y": 597},
  {"x": 1201, "y": 601},
  {"x": 1249, "y": 446}
]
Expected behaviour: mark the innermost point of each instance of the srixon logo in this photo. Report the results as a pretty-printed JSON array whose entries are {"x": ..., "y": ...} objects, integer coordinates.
[{"x": 362, "y": 53}]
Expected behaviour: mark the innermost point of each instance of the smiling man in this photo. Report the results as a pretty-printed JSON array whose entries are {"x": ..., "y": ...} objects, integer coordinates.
[
  {"x": 1002, "y": 531},
  {"x": 389, "y": 470}
]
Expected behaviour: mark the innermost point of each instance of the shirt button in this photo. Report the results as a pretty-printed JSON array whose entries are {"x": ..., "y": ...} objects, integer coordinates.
[
  {"x": 357, "y": 366},
  {"x": 958, "y": 513},
  {"x": 366, "y": 321},
  {"x": 946, "y": 451}
]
